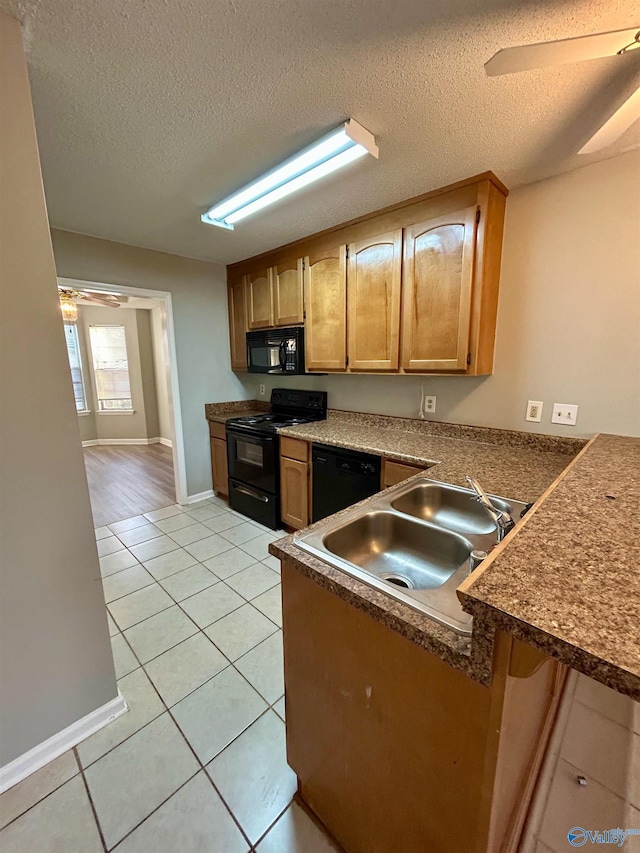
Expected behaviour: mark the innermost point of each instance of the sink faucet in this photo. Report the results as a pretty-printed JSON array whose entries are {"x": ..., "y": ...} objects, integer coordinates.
[{"x": 503, "y": 520}]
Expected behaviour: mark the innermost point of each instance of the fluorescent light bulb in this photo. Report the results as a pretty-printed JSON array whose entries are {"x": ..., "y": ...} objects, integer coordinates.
[
  {"x": 335, "y": 150},
  {"x": 298, "y": 183}
]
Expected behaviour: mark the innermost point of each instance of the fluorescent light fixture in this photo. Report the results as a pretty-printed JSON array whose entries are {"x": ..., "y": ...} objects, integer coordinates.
[{"x": 342, "y": 146}]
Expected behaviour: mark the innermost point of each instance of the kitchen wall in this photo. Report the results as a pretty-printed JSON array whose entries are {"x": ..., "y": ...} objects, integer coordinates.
[
  {"x": 56, "y": 664},
  {"x": 568, "y": 321},
  {"x": 199, "y": 300},
  {"x": 143, "y": 423}
]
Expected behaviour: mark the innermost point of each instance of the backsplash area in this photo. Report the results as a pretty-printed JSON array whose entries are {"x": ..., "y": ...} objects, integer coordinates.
[{"x": 475, "y": 401}]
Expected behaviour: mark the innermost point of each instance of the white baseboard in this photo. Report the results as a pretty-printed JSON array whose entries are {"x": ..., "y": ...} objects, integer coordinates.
[
  {"x": 35, "y": 758},
  {"x": 117, "y": 441},
  {"x": 201, "y": 496}
]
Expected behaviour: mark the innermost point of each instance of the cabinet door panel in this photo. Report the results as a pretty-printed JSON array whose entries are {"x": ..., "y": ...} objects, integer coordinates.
[
  {"x": 438, "y": 275},
  {"x": 219, "y": 466},
  {"x": 259, "y": 288},
  {"x": 373, "y": 297},
  {"x": 294, "y": 492},
  {"x": 237, "y": 325},
  {"x": 325, "y": 296},
  {"x": 287, "y": 294}
]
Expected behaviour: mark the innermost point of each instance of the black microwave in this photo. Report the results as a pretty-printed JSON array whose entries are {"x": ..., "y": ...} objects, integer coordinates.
[{"x": 277, "y": 351}]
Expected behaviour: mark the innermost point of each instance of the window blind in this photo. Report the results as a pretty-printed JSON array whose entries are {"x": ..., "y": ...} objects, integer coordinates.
[
  {"x": 75, "y": 363},
  {"x": 110, "y": 368}
]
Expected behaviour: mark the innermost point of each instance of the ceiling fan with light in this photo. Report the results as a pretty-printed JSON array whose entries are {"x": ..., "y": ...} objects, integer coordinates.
[
  {"x": 69, "y": 299},
  {"x": 546, "y": 54}
]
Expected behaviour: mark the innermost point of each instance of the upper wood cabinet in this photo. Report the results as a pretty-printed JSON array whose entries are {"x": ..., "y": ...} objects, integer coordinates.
[
  {"x": 259, "y": 295},
  {"x": 412, "y": 288},
  {"x": 288, "y": 303},
  {"x": 438, "y": 277},
  {"x": 373, "y": 298},
  {"x": 237, "y": 324},
  {"x": 325, "y": 297}
]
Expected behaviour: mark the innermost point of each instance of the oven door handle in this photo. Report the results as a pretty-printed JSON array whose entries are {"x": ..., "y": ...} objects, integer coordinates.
[{"x": 245, "y": 491}]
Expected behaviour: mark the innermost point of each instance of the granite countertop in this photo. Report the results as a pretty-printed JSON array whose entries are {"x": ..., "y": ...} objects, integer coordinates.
[
  {"x": 512, "y": 464},
  {"x": 517, "y": 465},
  {"x": 568, "y": 583},
  {"x": 220, "y": 413},
  {"x": 565, "y": 581}
]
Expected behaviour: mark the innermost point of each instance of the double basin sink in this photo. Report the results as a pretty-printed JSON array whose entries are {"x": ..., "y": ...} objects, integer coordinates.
[{"x": 414, "y": 542}]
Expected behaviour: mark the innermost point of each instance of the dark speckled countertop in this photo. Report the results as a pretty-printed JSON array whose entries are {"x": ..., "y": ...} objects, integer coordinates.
[
  {"x": 566, "y": 580},
  {"x": 220, "y": 413},
  {"x": 569, "y": 581},
  {"x": 513, "y": 464}
]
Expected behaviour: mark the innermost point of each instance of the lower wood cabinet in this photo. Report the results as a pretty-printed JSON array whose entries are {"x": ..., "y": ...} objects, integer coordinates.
[
  {"x": 369, "y": 711},
  {"x": 219, "y": 467},
  {"x": 295, "y": 470},
  {"x": 396, "y": 472}
]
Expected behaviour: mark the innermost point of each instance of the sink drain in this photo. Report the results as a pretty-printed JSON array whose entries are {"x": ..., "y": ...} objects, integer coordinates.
[{"x": 398, "y": 580}]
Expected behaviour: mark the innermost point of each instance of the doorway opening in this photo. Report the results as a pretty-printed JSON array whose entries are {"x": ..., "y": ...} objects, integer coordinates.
[{"x": 122, "y": 355}]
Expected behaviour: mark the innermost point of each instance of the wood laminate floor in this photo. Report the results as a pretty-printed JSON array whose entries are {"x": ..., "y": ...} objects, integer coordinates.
[{"x": 125, "y": 481}]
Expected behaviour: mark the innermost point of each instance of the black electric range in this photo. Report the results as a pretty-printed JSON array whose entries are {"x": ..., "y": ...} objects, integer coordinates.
[{"x": 253, "y": 452}]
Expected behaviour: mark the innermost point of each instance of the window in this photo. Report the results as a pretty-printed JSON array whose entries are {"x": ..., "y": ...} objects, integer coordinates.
[
  {"x": 75, "y": 363},
  {"x": 111, "y": 368}
]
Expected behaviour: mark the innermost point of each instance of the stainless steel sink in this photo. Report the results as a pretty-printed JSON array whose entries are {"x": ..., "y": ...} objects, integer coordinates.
[
  {"x": 412, "y": 542},
  {"x": 399, "y": 550},
  {"x": 449, "y": 507}
]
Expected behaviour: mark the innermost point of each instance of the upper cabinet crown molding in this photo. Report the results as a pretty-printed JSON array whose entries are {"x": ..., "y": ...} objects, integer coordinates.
[{"x": 411, "y": 288}]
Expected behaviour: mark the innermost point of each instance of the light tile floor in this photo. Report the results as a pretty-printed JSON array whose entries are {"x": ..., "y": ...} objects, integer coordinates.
[{"x": 197, "y": 764}]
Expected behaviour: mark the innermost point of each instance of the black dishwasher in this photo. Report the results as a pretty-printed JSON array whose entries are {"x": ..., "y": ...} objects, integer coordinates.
[{"x": 341, "y": 478}]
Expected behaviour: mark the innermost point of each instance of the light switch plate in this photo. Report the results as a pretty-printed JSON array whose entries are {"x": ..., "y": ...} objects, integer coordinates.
[
  {"x": 564, "y": 413},
  {"x": 534, "y": 411}
]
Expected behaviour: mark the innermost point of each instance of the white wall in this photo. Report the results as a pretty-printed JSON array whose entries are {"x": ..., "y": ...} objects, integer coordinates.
[
  {"x": 568, "y": 321},
  {"x": 199, "y": 298},
  {"x": 56, "y": 664},
  {"x": 161, "y": 368},
  {"x": 143, "y": 422}
]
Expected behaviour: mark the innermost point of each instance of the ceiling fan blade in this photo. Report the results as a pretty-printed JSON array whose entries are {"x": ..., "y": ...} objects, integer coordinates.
[
  {"x": 614, "y": 127},
  {"x": 528, "y": 56},
  {"x": 108, "y": 301}
]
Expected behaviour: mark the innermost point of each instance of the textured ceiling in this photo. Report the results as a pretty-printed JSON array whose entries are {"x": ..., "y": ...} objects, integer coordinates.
[{"x": 148, "y": 111}]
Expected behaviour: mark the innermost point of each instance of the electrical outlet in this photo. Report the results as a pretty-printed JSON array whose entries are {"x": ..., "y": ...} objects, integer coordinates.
[
  {"x": 564, "y": 413},
  {"x": 534, "y": 411},
  {"x": 262, "y": 389},
  {"x": 430, "y": 405}
]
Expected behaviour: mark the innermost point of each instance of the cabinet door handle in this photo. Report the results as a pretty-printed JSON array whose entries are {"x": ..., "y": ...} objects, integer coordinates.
[{"x": 245, "y": 491}]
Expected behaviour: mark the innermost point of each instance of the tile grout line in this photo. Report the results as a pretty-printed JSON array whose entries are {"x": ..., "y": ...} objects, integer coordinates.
[
  {"x": 230, "y": 663},
  {"x": 91, "y": 803},
  {"x": 202, "y": 766},
  {"x": 168, "y": 709},
  {"x": 201, "y": 630}
]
